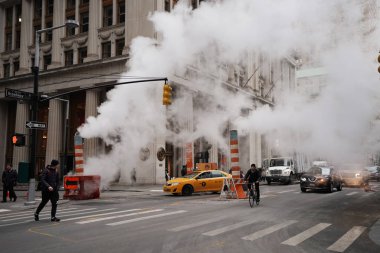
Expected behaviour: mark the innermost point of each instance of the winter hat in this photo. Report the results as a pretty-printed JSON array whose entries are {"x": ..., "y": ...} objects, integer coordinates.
[{"x": 54, "y": 163}]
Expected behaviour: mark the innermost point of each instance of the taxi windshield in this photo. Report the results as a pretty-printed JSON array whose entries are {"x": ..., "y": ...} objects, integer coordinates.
[{"x": 191, "y": 175}]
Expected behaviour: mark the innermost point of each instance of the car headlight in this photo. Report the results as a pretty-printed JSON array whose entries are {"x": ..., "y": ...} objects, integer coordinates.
[
  {"x": 175, "y": 184},
  {"x": 287, "y": 172},
  {"x": 303, "y": 179}
]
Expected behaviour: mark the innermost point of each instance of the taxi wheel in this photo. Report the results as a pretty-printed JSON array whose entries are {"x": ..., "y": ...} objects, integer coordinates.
[{"x": 187, "y": 190}]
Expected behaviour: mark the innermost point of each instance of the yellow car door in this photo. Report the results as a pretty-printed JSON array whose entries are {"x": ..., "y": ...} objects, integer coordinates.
[
  {"x": 203, "y": 182},
  {"x": 218, "y": 178}
]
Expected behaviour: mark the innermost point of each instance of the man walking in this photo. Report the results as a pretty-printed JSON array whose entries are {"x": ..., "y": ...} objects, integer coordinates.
[
  {"x": 9, "y": 179},
  {"x": 50, "y": 186}
]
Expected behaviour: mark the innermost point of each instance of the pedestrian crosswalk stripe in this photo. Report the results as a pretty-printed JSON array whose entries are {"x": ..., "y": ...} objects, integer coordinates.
[
  {"x": 196, "y": 224},
  {"x": 30, "y": 212},
  {"x": 100, "y": 214},
  {"x": 286, "y": 191},
  {"x": 230, "y": 227},
  {"x": 4, "y": 210},
  {"x": 351, "y": 193},
  {"x": 347, "y": 239},
  {"x": 295, "y": 240},
  {"x": 118, "y": 216},
  {"x": 267, "y": 231},
  {"x": 48, "y": 214},
  {"x": 145, "y": 218},
  {"x": 45, "y": 214}
]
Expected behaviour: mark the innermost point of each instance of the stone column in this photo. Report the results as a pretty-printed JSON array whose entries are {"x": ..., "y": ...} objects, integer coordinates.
[
  {"x": 255, "y": 148},
  {"x": 114, "y": 13},
  {"x": 58, "y": 19},
  {"x": 21, "y": 154},
  {"x": 55, "y": 131},
  {"x": 94, "y": 24},
  {"x": 26, "y": 36},
  {"x": 13, "y": 27},
  {"x": 91, "y": 146}
]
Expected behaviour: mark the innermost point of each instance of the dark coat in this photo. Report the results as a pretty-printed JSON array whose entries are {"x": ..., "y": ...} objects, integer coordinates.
[
  {"x": 49, "y": 177},
  {"x": 253, "y": 175},
  {"x": 9, "y": 177}
]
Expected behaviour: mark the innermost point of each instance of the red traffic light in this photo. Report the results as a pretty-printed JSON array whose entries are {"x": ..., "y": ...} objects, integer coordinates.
[{"x": 18, "y": 140}]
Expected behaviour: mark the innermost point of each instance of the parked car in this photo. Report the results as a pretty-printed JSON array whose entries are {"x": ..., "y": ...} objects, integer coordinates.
[
  {"x": 203, "y": 181},
  {"x": 374, "y": 172},
  {"x": 321, "y": 178},
  {"x": 355, "y": 176}
]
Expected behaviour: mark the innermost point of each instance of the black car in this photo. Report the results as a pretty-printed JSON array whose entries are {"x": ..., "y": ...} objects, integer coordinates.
[{"x": 321, "y": 178}]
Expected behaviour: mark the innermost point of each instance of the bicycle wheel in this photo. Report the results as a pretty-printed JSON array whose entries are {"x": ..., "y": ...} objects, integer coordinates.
[{"x": 251, "y": 199}]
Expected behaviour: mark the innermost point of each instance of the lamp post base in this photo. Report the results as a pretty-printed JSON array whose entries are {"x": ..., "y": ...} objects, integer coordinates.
[{"x": 31, "y": 193}]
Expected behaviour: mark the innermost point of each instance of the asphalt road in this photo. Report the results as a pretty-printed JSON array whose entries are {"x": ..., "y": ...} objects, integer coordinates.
[{"x": 285, "y": 221}]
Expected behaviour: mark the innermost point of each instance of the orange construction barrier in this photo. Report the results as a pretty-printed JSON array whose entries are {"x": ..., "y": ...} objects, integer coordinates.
[{"x": 79, "y": 187}]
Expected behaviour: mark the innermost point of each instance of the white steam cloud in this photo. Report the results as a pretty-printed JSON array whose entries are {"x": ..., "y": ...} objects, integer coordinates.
[{"x": 338, "y": 124}]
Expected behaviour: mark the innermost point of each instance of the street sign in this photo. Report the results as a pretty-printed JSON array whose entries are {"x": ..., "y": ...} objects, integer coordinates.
[
  {"x": 34, "y": 124},
  {"x": 18, "y": 94}
]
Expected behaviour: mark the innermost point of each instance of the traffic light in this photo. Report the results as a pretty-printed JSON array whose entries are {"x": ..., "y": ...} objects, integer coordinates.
[
  {"x": 167, "y": 95},
  {"x": 18, "y": 140}
]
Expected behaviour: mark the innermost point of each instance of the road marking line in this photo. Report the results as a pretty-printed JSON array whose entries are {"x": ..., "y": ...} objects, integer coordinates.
[
  {"x": 347, "y": 239},
  {"x": 351, "y": 193},
  {"x": 286, "y": 191},
  {"x": 118, "y": 216},
  {"x": 48, "y": 214},
  {"x": 267, "y": 231},
  {"x": 295, "y": 240},
  {"x": 157, "y": 190},
  {"x": 230, "y": 227},
  {"x": 4, "y": 210},
  {"x": 101, "y": 214},
  {"x": 31, "y": 212},
  {"x": 197, "y": 224},
  {"x": 145, "y": 218}
]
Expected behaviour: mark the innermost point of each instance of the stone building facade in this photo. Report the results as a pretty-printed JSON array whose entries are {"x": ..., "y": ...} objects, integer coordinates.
[{"x": 95, "y": 54}]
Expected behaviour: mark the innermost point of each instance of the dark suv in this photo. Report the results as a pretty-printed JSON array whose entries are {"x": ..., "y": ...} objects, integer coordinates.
[{"x": 321, "y": 178}]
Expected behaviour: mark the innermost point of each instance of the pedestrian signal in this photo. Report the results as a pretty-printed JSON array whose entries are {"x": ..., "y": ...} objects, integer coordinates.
[
  {"x": 167, "y": 95},
  {"x": 18, "y": 140}
]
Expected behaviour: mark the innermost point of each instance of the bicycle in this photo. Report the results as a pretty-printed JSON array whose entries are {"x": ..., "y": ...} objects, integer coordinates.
[{"x": 252, "y": 196}]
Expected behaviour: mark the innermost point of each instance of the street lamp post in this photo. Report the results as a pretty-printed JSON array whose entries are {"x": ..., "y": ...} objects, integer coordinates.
[{"x": 35, "y": 71}]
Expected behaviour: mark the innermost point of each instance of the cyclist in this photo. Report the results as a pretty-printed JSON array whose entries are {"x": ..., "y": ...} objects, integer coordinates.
[{"x": 253, "y": 176}]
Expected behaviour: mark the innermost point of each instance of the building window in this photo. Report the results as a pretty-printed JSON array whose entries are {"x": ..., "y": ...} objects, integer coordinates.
[
  {"x": 16, "y": 67},
  {"x": 70, "y": 4},
  {"x": 121, "y": 12},
  {"x": 7, "y": 70},
  {"x": 49, "y": 35},
  {"x": 84, "y": 2},
  {"x": 47, "y": 61},
  {"x": 106, "y": 50},
  {"x": 18, "y": 39},
  {"x": 37, "y": 9},
  {"x": 70, "y": 31},
  {"x": 82, "y": 53},
  {"x": 35, "y": 29},
  {"x": 69, "y": 58},
  {"x": 49, "y": 7},
  {"x": 107, "y": 15},
  {"x": 8, "y": 17},
  {"x": 120, "y": 46},
  {"x": 8, "y": 41},
  {"x": 167, "y": 5},
  {"x": 84, "y": 22},
  {"x": 18, "y": 14}
]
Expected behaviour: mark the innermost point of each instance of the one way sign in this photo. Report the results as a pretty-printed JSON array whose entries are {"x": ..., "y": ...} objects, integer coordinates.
[{"x": 34, "y": 124}]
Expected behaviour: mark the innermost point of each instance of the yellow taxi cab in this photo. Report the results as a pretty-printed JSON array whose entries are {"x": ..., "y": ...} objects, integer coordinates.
[{"x": 201, "y": 181}]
